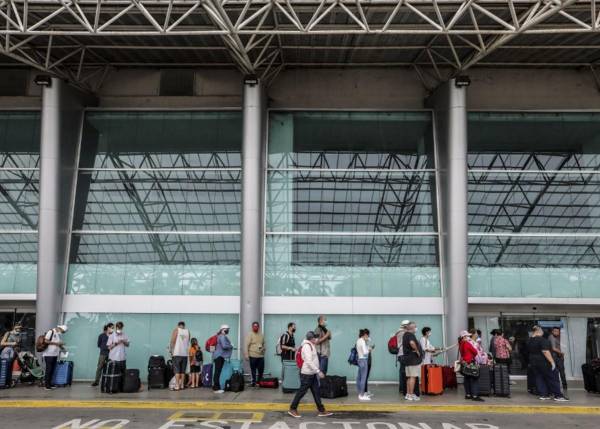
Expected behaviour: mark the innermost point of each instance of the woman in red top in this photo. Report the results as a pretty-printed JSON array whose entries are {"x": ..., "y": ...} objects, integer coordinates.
[{"x": 468, "y": 353}]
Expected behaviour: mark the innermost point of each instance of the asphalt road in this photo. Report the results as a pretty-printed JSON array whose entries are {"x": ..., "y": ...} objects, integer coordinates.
[{"x": 49, "y": 418}]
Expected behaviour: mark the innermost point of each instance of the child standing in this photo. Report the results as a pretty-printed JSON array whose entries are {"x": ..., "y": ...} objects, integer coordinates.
[{"x": 196, "y": 358}]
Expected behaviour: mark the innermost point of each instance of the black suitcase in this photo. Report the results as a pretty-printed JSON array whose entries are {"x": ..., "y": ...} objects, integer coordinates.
[
  {"x": 235, "y": 383},
  {"x": 5, "y": 373},
  {"x": 157, "y": 373},
  {"x": 501, "y": 380},
  {"x": 156, "y": 361},
  {"x": 333, "y": 386},
  {"x": 131, "y": 381},
  {"x": 531, "y": 384},
  {"x": 591, "y": 378},
  {"x": 112, "y": 378},
  {"x": 485, "y": 380}
]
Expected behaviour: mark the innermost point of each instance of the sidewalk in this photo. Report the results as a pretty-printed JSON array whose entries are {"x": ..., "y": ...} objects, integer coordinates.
[{"x": 387, "y": 399}]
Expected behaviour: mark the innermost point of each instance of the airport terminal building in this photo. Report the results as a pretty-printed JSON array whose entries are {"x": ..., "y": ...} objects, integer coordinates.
[{"x": 372, "y": 160}]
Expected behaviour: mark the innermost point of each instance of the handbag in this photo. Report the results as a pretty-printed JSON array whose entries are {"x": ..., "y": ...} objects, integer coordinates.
[{"x": 469, "y": 369}]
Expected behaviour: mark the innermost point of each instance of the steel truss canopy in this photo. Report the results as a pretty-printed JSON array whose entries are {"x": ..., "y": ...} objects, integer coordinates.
[{"x": 81, "y": 39}]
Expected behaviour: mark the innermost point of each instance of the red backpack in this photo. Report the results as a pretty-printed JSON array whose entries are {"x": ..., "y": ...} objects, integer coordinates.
[
  {"x": 211, "y": 343},
  {"x": 393, "y": 345},
  {"x": 299, "y": 360}
]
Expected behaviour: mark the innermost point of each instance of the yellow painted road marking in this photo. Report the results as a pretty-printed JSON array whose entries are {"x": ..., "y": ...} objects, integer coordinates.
[{"x": 277, "y": 407}]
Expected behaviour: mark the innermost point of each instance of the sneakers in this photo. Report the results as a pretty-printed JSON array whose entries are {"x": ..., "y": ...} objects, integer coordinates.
[
  {"x": 561, "y": 399},
  {"x": 412, "y": 398},
  {"x": 364, "y": 397},
  {"x": 544, "y": 398},
  {"x": 369, "y": 394},
  {"x": 478, "y": 399},
  {"x": 94, "y": 384},
  {"x": 323, "y": 414},
  {"x": 219, "y": 391},
  {"x": 416, "y": 398},
  {"x": 294, "y": 414}
]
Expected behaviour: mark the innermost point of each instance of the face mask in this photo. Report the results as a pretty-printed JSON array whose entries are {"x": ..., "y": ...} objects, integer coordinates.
[
  {"x": 255, "y": 328},
  {"x": 119, "y": 331},
  {"x": 324, "y": 323},
  {"x": 226, "y": 331},
  {"x": 293, "y": 330}
]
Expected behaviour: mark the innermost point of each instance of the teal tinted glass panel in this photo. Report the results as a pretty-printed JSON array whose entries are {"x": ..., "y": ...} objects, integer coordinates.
[
  {"x": 309, "y": 265},
  {"x": 19, "y": 199},
  {"x": 344, "y": 330},
  {"x": 19, "y": 139},
  {"x": 148, "y": 334},
  {"x": 396, "y": 140},
  {"x": 534, "y": 141},
  {"x": 162, "y": 139},
  {"x": 160, "y": 200},
  {"x": 534, "y": 202},
  {"x": 18, "y": 278},
  {"x": 349, "y": 201}
]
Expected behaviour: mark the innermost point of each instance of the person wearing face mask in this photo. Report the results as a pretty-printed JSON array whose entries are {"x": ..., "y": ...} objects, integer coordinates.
[
  {"x": 363, "y": 349},
  {"x": 117, "y": 345},
  {"x": 11, "y": 343},
  {"x": 323, "y": 342},
  {"x": 255, "y": 353},
  {"x": 428, "y": 349},
  {"x": 287, "y": 343},
  {"x": 222, "y": 352},
  {"x": 103, "y": 356},
  {"x": 412, "y": 358}
]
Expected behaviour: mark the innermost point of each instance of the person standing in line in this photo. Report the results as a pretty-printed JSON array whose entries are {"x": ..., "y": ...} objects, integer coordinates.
[
  {"x": 363, "y": 350},
  {"x": 11, "y": 343},
  {"x": 428, "y": 349},
  {"x": 254, "y": 352},
  {"x": 558, "y": 355},
  {"x": 287, "y": 343},
  {"x": 309, "y": 376},
  {"x": 502, "y": 349},
  {"x": 482, "y": 357},
  {"x": 399, "y": 336},
  {"x": 179, "y": 348},
  {"x": 54, "y": 343},
  {"x": 223, "y": 351},
  {"x": 546, "y": 373},
  {"x": 103, "y": 356},
  {"x": 196, "y": 358},
  {"x": 412, "y": 358},
  {"x": 117, "y": 345},
  {"x": 468, "y": 355},
  {"x": 323, "y": 343}
]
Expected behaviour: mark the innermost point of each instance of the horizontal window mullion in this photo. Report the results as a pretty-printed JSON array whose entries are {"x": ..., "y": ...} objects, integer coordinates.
[
  {"x": 176, "y": 169},
  {"x": 534, "y": 234},
  {"x": 18, "y": 231},
  {"x": 146, "y": 232},
  {"x": 348, "y": 233},
  {"x": 355, "y": 170},
  {"x": 530, "y": 172}
]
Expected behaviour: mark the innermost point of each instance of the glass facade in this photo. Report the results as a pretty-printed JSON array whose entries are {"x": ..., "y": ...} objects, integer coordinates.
[
  {"x": 534, "y": 204},
  {"x": 19, "y": 198},
  {"x": 349, "y": 205},
  {"x": 157, "y": 208}
]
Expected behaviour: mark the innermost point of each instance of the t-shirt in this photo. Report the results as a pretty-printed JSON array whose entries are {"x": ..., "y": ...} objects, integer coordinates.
[
  {"x": 182, "y": 342},
  {"x": 118, "y": 353},
  {"x": 102, "y": 340},
  {"x": 53, "y": 337},
  {"x": 536, "y": 346},
  {"x": 411, "y": 358},
  {"x": 425, "y": 345},
  {"x": 554, "y": 344},
  {"x": 289, "y": 341},
  {"x": 192, "y": 356}
]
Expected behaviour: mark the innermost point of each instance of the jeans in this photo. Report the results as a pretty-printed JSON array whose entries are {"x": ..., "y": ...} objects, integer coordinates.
[
  {"x": 546, "y": 380},
  {"x": 323, "y": 363},
  {"x": 368, "y": 373},
  {"x": 471, "y": 386},
  {"x": 121, "y": 366},
  {"x": 308, "y": 382},
  {"x": 102, "y": 359},
  {"x": 50, "y": 362},
  {"x": 560, "y": 366},
  {"x": 361, "y": 378},
  {"x": 257, "y": 365},
  {"x": 218, "y": 362}
]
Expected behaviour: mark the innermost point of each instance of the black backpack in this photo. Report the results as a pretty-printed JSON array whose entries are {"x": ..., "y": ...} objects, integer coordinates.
[
  {"x": 235, "y": 383},
  {"x": 199, "y": 357}
]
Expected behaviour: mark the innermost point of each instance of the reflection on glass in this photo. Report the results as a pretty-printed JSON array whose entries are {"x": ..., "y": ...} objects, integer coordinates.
[
  {"x": 390, "y": 140},
  {"x": 18, "y": 248},
  {"x": 19, "y": 139},
  {"x": 19, "y": 199},
  {"x": 349, "y": 201}
]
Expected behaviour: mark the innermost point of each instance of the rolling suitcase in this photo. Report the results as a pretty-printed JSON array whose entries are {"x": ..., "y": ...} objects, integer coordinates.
[
  {"x": 333, "y": 386},
  {"x": 269, "y": 383},
  {"x": 485, "y": 380},
  {"x": 291, "y": 376},
  {"x": 432, "y": 380},
  {"x": 157, "y": 372},
  {"x": 501, "y": 380},
  {"x": 112, "y": 378},
  {"x": 131, "y": 381},
  {"x": 226, "y": 373},
  {"x": 449, "y": 375},
  {"x": 207, "y": 375},
  {"x": 63, "y": 374},
  {"x": 5, "y": 374},
  {"x": 590, "y": 378}
]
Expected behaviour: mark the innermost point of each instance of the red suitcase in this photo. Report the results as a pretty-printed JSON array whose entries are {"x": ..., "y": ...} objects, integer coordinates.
[
  {"x": 449, "y": 377},
  {"x": 432, "y": 380}
]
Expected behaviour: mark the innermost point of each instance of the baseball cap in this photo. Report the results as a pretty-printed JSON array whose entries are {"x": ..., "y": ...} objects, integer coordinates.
[
  {"x": 464, "y": 334},
  {"x": 63, "y": 328},
  {"x": 224, "y": 327}
]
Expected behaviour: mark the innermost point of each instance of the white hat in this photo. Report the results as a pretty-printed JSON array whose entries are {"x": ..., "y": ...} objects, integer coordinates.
[
  {"x": 63, "y": 328},
  {"x": 224, "y": 327},
  {"x": 405, "y": 322},
  {"x": 464, "y": 334}
]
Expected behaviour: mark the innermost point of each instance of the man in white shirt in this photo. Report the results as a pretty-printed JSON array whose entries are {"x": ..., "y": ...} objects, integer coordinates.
[
  {"x": 430, "y": 351},
  {"x": 54, "y": 345},
  {"x": 309, "y": 376},
  {"x": 117, "y": 344},
  {"x": 179, "y": 347}
]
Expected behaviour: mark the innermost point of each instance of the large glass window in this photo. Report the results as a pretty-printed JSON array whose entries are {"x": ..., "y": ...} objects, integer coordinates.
[
  {"x": 19, "y": 199},
  {"x": 534, "y": 204},
  {"x": 158, "y": 204},
  {"x": 349, "y": 205}
]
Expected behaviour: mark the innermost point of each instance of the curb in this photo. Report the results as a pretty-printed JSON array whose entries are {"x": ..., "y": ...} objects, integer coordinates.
[{"x": 282, "y": 407}]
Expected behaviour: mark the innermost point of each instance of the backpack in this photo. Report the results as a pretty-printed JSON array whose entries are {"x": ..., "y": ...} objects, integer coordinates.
[
  {"x": 199, "y": 357},
  {"x": 211, "y": 343},
  {"x": 353, "y": 357},
  {"x": 393, "y": 345},
  {"x": 278, "y": 349},
  {"x": 299, "y": 360},
  {"x": 40, "y": 343},
  {"x": 235, "y": 383}
]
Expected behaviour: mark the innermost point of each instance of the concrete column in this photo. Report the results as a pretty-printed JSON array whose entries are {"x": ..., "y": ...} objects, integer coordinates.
[
  {"x": 252, "y": 207},
  {"x": 62, "y": 119},
  {"x": 450, "y": 122}
]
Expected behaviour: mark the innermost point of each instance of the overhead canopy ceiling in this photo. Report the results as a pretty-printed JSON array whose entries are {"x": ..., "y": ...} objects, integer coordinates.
[{"x": 82, "y": 39}]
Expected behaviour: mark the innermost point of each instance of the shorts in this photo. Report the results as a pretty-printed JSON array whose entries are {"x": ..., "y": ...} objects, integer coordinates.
[
  {"x": 413, "y": 371},
  {"x": 194, "y": 369},
  {"x": 179, "y": 364}
]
